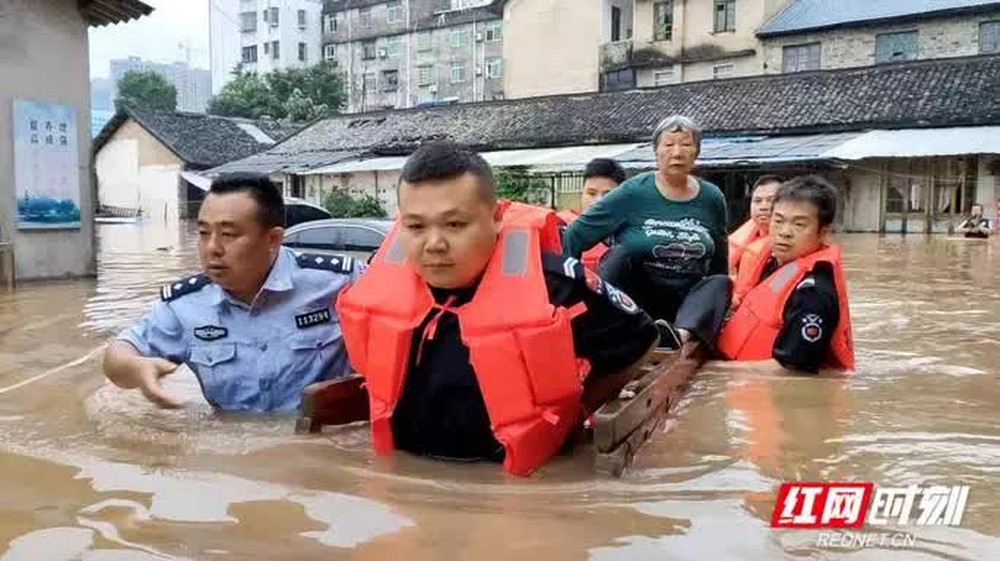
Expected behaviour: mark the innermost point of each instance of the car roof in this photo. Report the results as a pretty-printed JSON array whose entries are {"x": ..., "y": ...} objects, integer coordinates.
[{"x": 381, "y": 224}]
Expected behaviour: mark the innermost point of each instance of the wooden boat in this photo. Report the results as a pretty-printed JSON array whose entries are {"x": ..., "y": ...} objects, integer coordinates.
[{"x": 618, "y": 429}]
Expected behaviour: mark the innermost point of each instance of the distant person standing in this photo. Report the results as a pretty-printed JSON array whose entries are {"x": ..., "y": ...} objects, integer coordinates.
[
  {"x": 976, "y": 226},
  {"x": 599, "y": 177}
]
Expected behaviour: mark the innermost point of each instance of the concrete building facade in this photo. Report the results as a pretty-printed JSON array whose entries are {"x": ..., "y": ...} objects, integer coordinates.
[
  {"x": 403, "y": 53},
  {"x": 262, "y": 35},
  {"x": 45, "y": 58},
  {"x": 194, "y": 85}
]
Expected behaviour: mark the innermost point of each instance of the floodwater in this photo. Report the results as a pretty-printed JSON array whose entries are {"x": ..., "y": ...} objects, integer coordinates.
[{"x": 92, "y": 472}]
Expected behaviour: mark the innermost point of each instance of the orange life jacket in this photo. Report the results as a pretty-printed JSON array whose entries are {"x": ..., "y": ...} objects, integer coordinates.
[
  {"x": 739, "y": 241},
  {"x": 754, "y": 326},
  {"x": 748, "y": 261},
  {"x": 520, "y": 345},
  {"x": 592, "y": 256}
]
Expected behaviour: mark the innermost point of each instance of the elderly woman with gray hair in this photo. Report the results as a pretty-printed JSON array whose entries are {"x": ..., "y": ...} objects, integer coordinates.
[{"x": 668, "y": 235}]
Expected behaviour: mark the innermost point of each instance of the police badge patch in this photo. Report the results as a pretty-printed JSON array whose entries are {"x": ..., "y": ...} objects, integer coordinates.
[
  {"x": 812, "y": 328},
  {"x": 210, "y": 332}
]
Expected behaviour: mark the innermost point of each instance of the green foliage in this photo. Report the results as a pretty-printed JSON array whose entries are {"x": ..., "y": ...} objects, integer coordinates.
[
  {"x": 342, "y": 205},
  {"x": 295, "y": 94},
  {"x": 146, "y": 90},
  {"x": 514, "y": 183}
]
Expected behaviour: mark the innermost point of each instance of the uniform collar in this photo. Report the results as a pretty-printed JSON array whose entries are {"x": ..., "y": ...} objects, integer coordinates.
[{"x": 279, "y": 279}]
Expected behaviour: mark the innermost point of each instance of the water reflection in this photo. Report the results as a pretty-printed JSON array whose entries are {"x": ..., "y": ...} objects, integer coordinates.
[{"x": 102, "y": 475}]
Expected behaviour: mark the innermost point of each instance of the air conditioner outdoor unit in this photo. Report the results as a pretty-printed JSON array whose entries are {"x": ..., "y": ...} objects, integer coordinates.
[
  {"x": 382, "y": 53},
  {"x": 479, "y": 37},
  {"x": 479, "y": 71},
  {"x": 433, "y": 88}
]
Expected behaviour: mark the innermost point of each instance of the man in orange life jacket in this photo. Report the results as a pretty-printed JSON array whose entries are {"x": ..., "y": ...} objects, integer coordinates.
[
  {"x": 599, "y": 177},
  {"x": 753, "y": 233},
  {"x": 793, "y": 297},
  {"x": 476, "y": 338}
]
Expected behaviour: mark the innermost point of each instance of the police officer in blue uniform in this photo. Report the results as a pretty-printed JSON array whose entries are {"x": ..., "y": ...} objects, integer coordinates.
[{"x": 257, "y": 326}]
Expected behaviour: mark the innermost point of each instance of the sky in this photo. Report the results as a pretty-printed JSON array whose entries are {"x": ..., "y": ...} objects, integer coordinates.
[{"x": 158, "y": 37}]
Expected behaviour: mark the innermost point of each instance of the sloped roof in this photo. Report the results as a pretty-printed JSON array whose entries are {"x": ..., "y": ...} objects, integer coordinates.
[
  {"x": 931, "y": 93},
  {"x": 103, "y": 12},
  {"x": 202, "y": 141},
  {"x": 813, "y": 15}
]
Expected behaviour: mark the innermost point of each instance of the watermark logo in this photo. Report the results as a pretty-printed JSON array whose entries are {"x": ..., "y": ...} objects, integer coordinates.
[{"x": 851, "y": 506}]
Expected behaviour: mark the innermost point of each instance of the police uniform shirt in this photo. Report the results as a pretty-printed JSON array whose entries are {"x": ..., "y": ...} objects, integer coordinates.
[
  {"x": 809, "y": 319},
  {"x": 255, "y": 357},
  {"x": 441, "y": 411}
]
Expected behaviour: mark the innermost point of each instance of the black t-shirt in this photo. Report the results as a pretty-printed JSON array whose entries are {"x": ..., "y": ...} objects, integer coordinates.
[
  {"x": 441, "y": 411},
  {"x": 809, "y": 319}
]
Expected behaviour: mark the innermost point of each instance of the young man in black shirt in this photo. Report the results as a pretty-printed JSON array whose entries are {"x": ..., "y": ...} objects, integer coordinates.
[
  {"x": 449, "y": 223},
  {"x": 797, "y": 284}
]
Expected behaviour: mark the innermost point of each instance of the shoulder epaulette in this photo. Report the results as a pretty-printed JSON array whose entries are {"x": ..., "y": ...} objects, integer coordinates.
[
  {"x": 343, "y": 264},
  {"x": 187, "y": 285}
]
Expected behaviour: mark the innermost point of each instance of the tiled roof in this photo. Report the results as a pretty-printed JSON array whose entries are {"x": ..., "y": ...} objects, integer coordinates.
[
  {"x": 932, "y": 93},
  {"x": 811, "y": 15},
  {"x": 202, "y": 141},
  {"x": 99, "y": 13}
]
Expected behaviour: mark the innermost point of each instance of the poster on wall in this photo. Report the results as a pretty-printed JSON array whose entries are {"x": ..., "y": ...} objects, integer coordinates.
[{"x": 46, "y": 166}]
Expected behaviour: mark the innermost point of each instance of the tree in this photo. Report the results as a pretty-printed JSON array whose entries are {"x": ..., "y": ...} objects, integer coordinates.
[
  {"x": 146, "y": 89},
  {"x": 295, "y": 94},
  {"x": 342, "y": 205},
  {"x": 516, "y": 184}
]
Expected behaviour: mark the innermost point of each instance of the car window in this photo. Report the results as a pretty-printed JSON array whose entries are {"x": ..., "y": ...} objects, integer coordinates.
[
  {"x": 325, "y": 237},
  {"x": 356, "y": 238},
  {"x": 297, "y": 214}
]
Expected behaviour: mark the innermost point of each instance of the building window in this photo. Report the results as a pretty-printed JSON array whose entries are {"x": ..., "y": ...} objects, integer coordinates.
[
  {"x": 494, "y": 68},
  {"x": 390, "y": 80},
  {"x": 371, "y": 83},
  {"x": 393, "y": 47},
  {"x": 989, "y": 37},
  {"x": 892, "y": 47},
  {"x": 365, "y": 18},
  {"x": 368, "y": 49},
  {"x": 424, "y": 41},
  {"x": 330, "y": 23},
  {"x": 663, "y": 20},
  {"x": 267, "y": 48},
  {"x": 302, "y": 19},
  {"x": 302, "y": 52},
  {"x": 457, "y": 72},
  {"x": 459, "y": 38},
  {"x": 249, "y": 54},
  {"x": 273, "y": 20},
  {"x": 425, "y": 75},
  {"x": 494, "y": 31},
  {"x": 394, "y": 12},
  {"x": 619, "y": 80},
  {"x": 725, "y": 15},
  {"x": 799, "y": 58},
  {"x": 330, "y": 52},
  {"x": 663, "y": 77},
  {"x": 275, "y": 50},
  {"x": 616, "y": 24},
  {"x": 248, "y": 22},
  {"x": 721, "y": 71}
]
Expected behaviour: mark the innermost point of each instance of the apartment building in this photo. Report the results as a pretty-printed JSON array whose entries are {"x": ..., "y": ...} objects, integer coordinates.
[
  {"x": 194, "y": 85},
  {"x": 853, "y": 33},
  {"x": 405, "y": 53},
  {"x": 262, "y": 35}
]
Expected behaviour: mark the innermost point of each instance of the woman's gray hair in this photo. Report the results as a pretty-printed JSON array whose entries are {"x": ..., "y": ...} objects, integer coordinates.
[{"x": 677, "y": 123}]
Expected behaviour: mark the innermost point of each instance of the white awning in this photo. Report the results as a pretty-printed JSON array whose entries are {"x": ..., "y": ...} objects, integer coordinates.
[
  {"x": 567, "y": 158},
  {"x": 198, "y": 180},
  {"x": 915, "y": 143}
]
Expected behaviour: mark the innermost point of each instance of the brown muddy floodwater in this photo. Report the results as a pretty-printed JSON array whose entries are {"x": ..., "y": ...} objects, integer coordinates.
[{"x": 91, "y": 472}]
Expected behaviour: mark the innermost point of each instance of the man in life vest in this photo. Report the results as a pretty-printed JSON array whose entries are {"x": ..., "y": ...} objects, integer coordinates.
[
  {"x": 599, "y": 177},
  {"x": 475, "y": 337},
  {"x": 753, "y": 233},
  {"x": 793, "y": 296}
]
